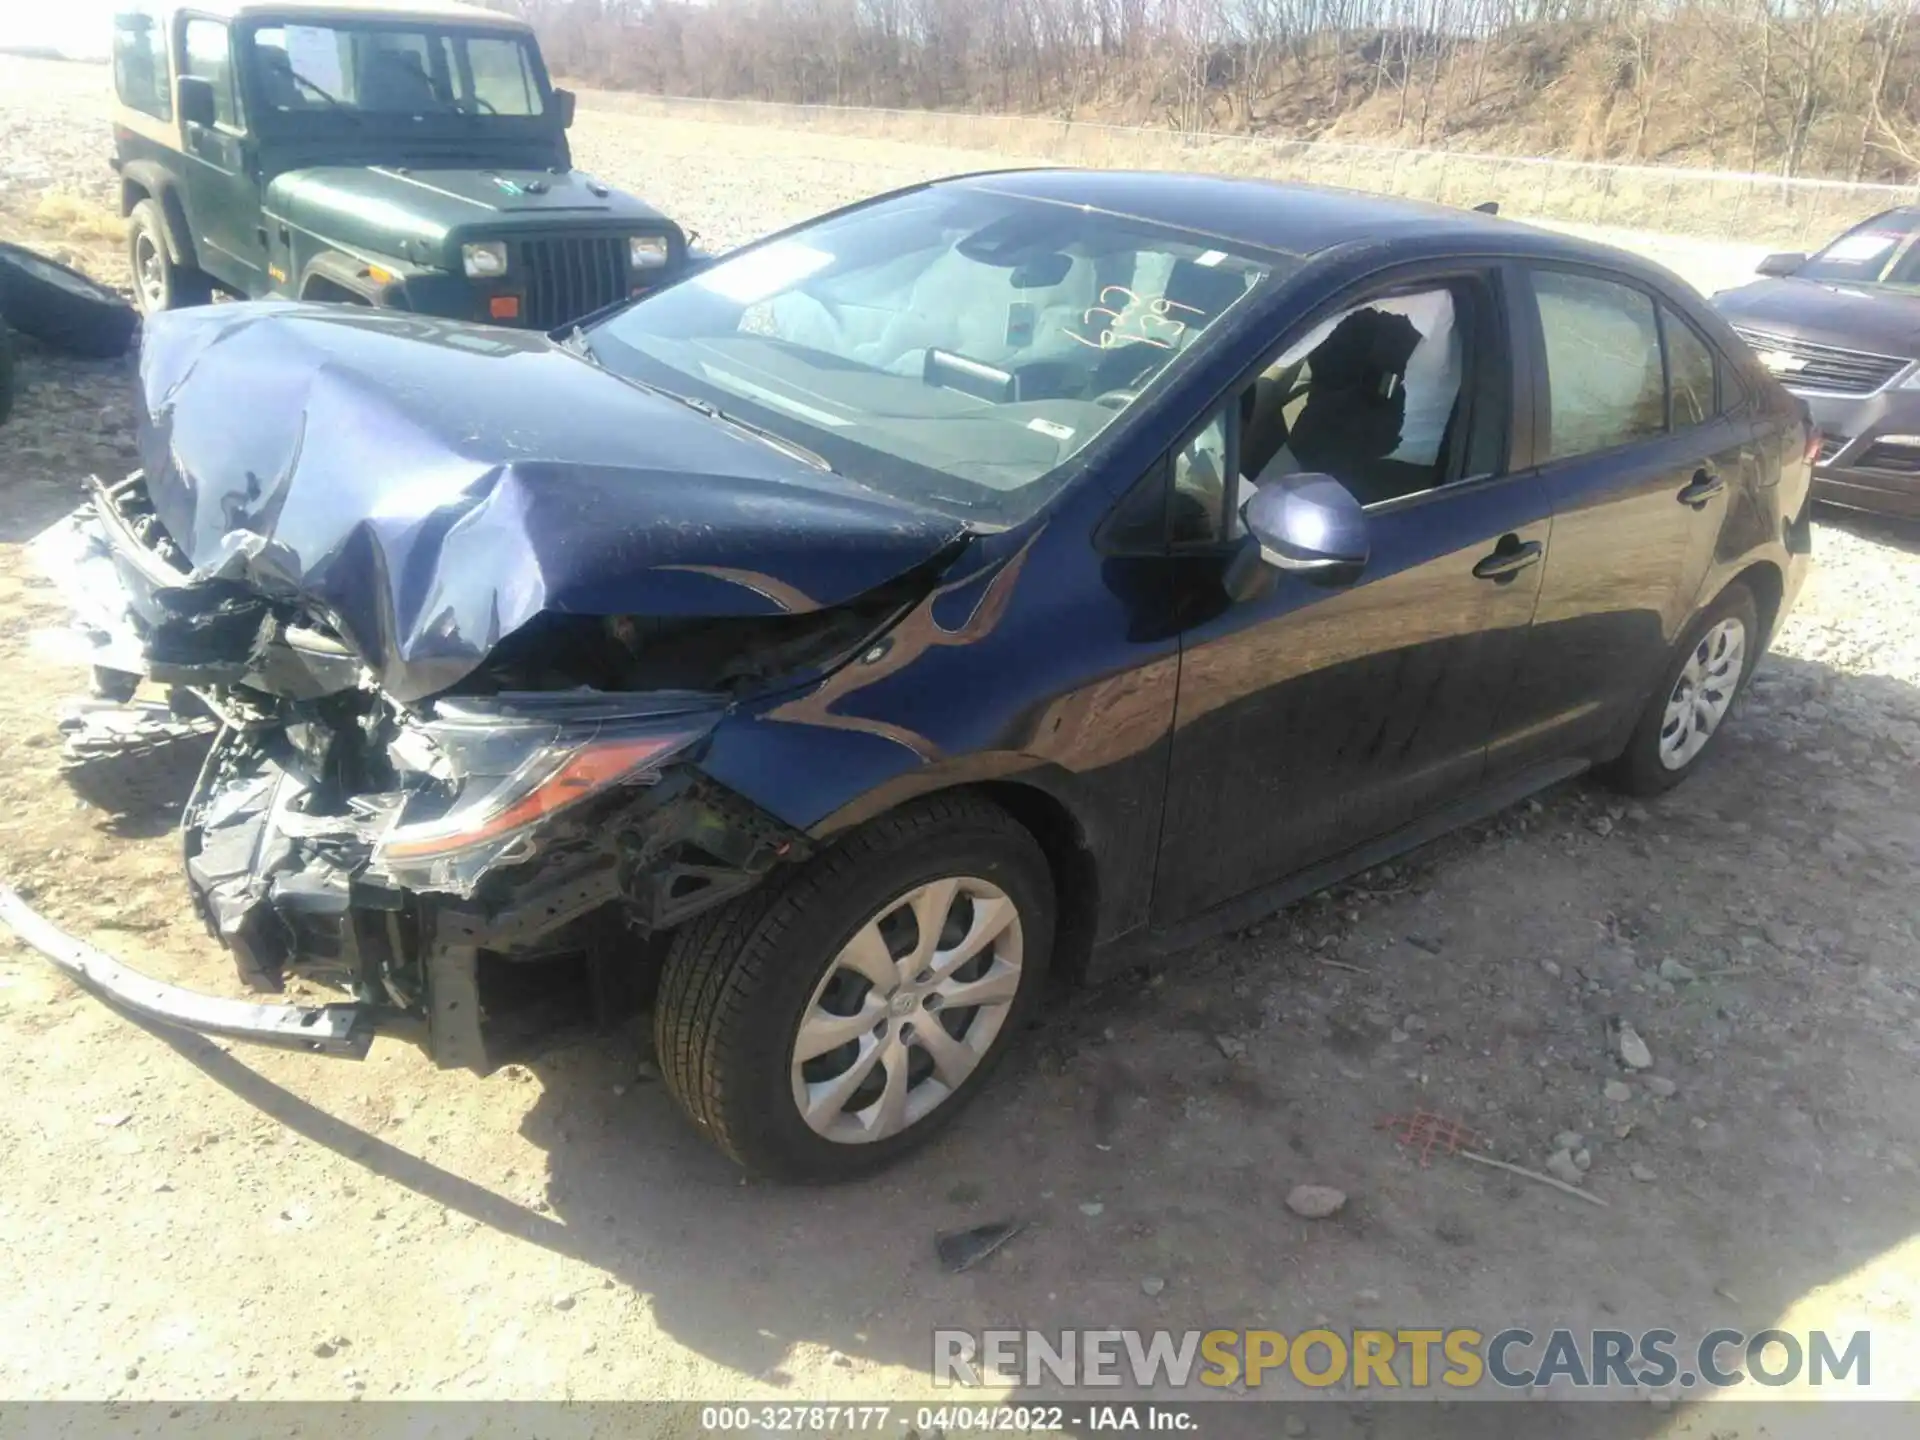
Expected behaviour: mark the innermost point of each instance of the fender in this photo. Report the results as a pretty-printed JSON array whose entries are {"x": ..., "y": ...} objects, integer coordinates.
[
  {"x": 960, "y": 771},
  {"x": 336, "y": 268},
  {"x": 159, "y": 184}
]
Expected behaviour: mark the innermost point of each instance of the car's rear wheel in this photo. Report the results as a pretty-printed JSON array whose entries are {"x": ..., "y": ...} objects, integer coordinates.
[
  {"x": 1696, "y": 694},
  {"x": 158, "y": 283},
  {"x": 842, "y": 1014}
]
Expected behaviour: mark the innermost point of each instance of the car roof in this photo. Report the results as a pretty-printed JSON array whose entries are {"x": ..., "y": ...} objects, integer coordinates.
[
  {"x": 1293, "y": 218},
  {"x": 432, "y": 12}
]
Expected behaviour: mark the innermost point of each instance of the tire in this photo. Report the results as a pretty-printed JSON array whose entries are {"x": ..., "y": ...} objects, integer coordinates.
[
  {"x": 739, "y": 981},
  {"x": 61, "y": 308},
  {"x": 6, "y": 373},
  {"x": 1660, "y": 756},
  {"x": 158, "y": 283}
]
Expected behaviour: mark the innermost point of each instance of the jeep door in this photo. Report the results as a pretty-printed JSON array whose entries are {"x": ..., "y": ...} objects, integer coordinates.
[{"x": 223, "y": 192}]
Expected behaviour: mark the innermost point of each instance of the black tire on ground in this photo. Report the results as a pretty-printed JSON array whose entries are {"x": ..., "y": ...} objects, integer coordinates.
[
  {"x": 6, "y": 373},
  {"x": 739, "y": 979},
  {"x": 158, "y": 283},
  {"x": 1640, "y": 769},
  {"x": 61, "y": 308}
]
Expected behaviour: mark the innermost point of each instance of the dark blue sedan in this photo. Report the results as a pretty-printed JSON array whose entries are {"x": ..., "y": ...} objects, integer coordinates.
[{"x": 1025, "y": 572}]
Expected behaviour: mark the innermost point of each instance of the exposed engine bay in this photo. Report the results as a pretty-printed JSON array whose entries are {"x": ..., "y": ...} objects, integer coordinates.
[{"x": 539, "y": 810}]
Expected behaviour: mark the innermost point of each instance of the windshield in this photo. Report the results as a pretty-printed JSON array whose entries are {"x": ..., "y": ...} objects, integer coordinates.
[
  {"x": 956, "y": 346},
  {"x": 393, "y": 69},
  {"x": 1877, "y": 251}
]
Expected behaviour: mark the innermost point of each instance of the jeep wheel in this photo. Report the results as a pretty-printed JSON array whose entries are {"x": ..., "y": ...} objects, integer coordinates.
[
  {"x": 825, "y": 1024},
  {"x": 158, "y": 283}
]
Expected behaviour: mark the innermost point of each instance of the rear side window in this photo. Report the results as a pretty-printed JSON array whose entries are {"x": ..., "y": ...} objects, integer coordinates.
[
  {"x": 1604, "y": 375},
  {"x": 209, "y": 58},
  {"x": 1689, "y": 372},
  {"x": 141, "y": 76}
]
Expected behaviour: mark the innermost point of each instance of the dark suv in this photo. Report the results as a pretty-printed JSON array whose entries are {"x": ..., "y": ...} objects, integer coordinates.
[{"x": 407, "y": 156}]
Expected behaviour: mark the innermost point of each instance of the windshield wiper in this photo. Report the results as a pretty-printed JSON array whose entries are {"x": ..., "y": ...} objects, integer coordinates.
[
  {"x": 577, "y": 343},
  {"x": 333, "y": 100}
]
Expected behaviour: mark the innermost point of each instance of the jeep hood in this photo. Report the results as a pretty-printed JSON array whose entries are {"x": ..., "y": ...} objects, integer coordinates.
[
  {"x": 1879, "y": 318},
  {"x": 427, "y": 488},
  {"x": 381, "y": 208}
]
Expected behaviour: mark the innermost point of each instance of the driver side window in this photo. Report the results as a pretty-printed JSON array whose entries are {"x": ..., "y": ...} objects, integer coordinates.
[
  {"x": 1381, "y": 396},
  {"x": 1399, "y": 395}
]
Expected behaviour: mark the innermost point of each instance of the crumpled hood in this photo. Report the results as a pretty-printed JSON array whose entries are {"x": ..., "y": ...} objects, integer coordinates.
[
  {"x": 1884, "y": 321},
  {"x": 429, "y": 487}
]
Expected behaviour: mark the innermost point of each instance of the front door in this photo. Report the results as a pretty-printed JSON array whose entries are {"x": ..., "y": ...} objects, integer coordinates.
[
  {"x": 1640, "y": 472},
  {"x": 223, "y": 195},
  {"x": 1312, "y": 719}
]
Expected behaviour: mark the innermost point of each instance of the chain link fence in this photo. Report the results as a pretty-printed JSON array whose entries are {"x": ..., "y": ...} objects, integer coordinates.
[{"x": 1712, "y": 204}]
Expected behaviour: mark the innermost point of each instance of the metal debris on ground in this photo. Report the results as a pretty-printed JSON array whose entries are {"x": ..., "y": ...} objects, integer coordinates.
[
  {"x": 102, "y": 729},
  {"x": 963, "y": 1249}
]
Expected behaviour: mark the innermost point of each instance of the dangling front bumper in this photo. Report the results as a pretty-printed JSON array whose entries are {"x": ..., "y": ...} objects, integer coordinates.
[{"x": 345, "y": 1029}]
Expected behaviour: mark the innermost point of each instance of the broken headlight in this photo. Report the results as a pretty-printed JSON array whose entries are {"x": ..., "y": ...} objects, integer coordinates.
[{"x": 504, "y": 775}]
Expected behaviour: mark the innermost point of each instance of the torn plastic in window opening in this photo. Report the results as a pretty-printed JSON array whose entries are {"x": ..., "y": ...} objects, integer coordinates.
[{"x": 1431, "y": 377}]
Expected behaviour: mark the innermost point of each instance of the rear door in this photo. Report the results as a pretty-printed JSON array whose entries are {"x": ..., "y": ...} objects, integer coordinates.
[
  {"x": 1639, "y": 462},
  {"x": 1313, "y": 718}
]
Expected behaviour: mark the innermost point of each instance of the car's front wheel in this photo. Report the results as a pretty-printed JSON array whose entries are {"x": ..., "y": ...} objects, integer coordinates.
[
  {"x": 1695, "y": 696},
  {"x": 823, "y": 1025}
]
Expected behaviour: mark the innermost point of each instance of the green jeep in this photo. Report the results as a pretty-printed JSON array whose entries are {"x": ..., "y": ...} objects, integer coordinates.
[{"x": 404, "y": 155}]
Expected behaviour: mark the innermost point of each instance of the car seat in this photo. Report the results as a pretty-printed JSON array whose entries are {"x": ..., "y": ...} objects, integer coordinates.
[{"x": 1356, "y": 404}]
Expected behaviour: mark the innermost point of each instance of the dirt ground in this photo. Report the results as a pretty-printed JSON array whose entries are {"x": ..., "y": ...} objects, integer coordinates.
[{"x": 184, "y": 1219}]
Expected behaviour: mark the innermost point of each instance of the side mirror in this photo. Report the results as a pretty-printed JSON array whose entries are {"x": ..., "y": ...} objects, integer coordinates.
[
  {"x": 1309, "y": 525},
  {"x": 196, "y": 100},
  {"x": 564, "y": 102},
  {"x": 1776, "y": 267}
]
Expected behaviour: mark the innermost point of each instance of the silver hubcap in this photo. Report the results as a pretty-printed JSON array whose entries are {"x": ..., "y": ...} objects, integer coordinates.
[
  {"x": 148, "y": 271},
  {"x": 1704, "y": 693},
  {"x": 910, "y": 1005}
]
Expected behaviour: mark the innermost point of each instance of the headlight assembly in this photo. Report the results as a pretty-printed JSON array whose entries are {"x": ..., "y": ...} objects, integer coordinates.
[
  {"x": 484, "y": 259},
  {"x": 647, "y": 252},
  {"x": 510, "y": 774}
]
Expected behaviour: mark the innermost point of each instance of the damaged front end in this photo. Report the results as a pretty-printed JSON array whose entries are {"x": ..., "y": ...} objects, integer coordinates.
[
  {"x": 460, "y": 613},
  {"x": 401, "y": 854}
]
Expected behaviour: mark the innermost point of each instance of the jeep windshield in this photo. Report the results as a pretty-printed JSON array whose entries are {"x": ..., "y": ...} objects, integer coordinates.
[
  {"x": 384, "y": 70},
  {"x": 959, "y": 347}
]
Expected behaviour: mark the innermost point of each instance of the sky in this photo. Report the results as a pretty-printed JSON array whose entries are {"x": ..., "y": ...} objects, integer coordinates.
[{"x": 74, "y": 27}]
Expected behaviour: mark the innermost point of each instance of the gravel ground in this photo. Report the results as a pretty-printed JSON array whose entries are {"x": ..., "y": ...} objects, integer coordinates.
[{"x": 182, "y": 1220}]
